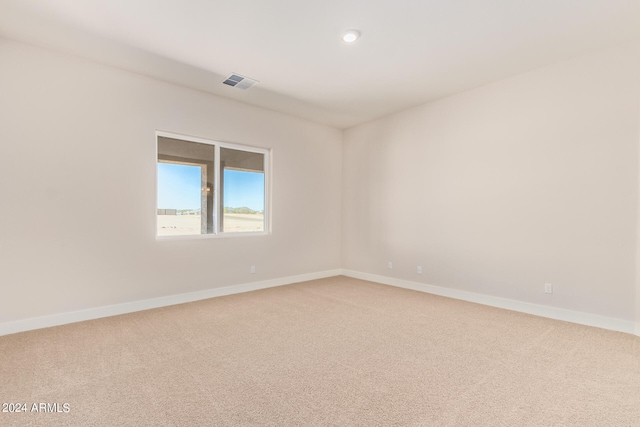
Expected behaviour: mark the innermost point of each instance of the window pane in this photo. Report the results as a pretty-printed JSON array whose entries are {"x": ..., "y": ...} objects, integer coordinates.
[
  {"x": 179, "y": 198},
  {"x": 185, "y": 187},
  {"x": 242, "y": 191}
]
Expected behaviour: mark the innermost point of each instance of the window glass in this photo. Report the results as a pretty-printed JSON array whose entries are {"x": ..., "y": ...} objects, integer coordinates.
[
  {"x": 191, "y": 201},
  {"x": 179, "y": 199}
]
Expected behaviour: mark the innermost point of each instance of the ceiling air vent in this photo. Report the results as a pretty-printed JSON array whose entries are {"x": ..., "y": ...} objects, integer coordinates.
[{"x": 240, "y": 82}]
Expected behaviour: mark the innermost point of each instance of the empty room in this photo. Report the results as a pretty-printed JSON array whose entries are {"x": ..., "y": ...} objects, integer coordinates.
[{"x": 305, "y": 213}]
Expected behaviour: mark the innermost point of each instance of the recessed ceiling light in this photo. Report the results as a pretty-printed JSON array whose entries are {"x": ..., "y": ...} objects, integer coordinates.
[{"x": 351, "y": 36}]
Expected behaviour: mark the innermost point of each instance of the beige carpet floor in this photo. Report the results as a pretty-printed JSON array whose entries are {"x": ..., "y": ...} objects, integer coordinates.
[{"x": 331, "y": 352}]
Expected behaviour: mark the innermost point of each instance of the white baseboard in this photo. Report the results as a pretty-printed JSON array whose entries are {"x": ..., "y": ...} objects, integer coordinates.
[
  {"x": 129, "y": 307},
  {"x": 524, "y": 307}
]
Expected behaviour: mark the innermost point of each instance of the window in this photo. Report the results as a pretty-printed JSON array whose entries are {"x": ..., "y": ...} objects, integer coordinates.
[{"x": 209, "y": 188}]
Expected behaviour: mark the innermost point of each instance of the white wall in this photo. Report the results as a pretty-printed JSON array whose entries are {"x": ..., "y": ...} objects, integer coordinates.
[
  {"x": 77, "y": 180},
  {"x": 637, "y": 327},
  {"x": 501, "y": 189},
  {"x": 498, "y": 190}
]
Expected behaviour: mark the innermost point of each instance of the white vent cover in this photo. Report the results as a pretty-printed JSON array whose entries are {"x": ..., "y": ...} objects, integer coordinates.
[{"x": 240, "y": 82}]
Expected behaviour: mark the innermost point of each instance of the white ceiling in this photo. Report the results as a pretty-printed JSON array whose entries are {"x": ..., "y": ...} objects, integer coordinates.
[{"x": 410, "y": 52}]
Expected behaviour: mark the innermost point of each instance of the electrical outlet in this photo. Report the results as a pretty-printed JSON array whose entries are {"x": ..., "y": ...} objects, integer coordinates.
[
  {"x": 390, "y": 265},
  {"x": 253, "y": 269},
  {"x": 419, "y": 269},
  {"x": 548, "y": 288}
]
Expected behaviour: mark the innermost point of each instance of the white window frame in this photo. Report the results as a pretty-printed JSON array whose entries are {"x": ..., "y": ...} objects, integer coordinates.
[{"x": 216, "y": 190}]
